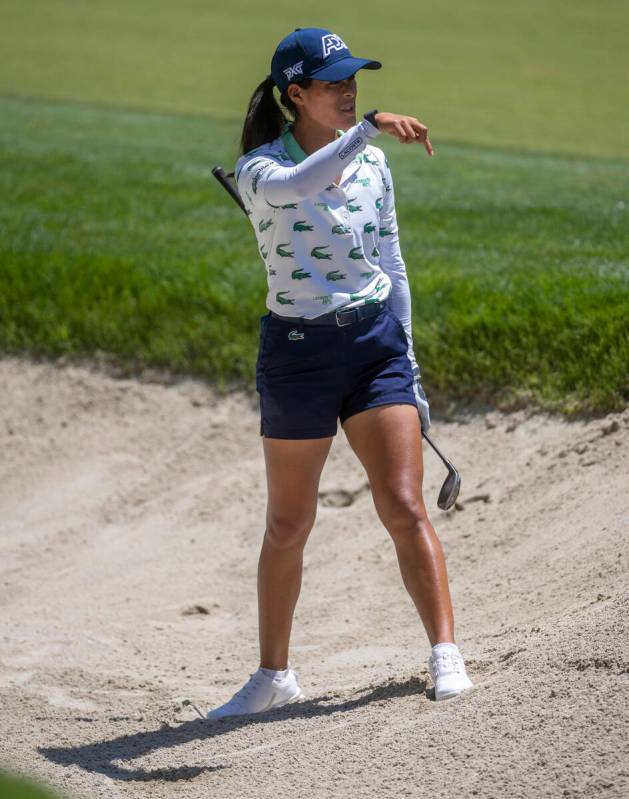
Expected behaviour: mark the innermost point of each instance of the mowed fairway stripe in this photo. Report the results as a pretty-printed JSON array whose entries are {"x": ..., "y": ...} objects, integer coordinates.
[{"x": 534, "y": 75}]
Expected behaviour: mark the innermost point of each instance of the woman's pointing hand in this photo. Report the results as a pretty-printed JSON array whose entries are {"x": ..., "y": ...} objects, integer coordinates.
[{"x": 406, "y": 129}]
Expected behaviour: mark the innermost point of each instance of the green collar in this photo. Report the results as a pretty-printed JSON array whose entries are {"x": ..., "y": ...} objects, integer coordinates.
[{"x": 292, "y": 146}]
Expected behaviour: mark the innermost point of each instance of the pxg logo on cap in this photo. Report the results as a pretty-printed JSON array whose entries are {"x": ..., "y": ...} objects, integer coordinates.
[{"x": 314, "y": 53}]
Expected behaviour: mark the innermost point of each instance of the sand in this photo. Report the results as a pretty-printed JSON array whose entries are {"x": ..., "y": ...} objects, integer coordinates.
[{"x": 131, "y": 517}]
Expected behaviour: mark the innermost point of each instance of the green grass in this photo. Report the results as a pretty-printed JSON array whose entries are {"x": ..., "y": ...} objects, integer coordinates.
[
  {"x": 115, "y": 237},
  {"x": 14, "y": 787},
  {"x": 544, "y": 75}
]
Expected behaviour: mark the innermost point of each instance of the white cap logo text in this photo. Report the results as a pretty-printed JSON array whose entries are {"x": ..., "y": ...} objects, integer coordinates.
[
  {"x": 332, "y": 42},
  {"x": 296, "y": 69}
]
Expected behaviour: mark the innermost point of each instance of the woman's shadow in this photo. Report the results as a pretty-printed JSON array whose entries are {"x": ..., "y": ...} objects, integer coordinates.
[{"x": 98, "y": 757}]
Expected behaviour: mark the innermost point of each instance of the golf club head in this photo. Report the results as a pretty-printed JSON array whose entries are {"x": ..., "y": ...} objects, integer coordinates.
[{"x": 449, "y": 490}]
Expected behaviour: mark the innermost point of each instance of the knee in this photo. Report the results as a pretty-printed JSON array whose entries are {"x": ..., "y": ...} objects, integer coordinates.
[
  {"x": 286, "y": 533},
  {"x": 405, "y": 517}
]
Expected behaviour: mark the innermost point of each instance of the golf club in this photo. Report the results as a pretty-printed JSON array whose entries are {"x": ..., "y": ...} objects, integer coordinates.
[
  {"x": 452, "y": 484},
  {"x": 222, "y": 177},
  {"x": 450, "y": 488}
]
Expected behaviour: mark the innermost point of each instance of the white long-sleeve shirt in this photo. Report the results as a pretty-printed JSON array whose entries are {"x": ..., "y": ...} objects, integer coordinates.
[{"x": 326, "y": 245}]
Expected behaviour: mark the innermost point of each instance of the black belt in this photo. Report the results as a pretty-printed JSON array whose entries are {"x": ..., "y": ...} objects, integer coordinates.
[{"x": 339, "y": 317}]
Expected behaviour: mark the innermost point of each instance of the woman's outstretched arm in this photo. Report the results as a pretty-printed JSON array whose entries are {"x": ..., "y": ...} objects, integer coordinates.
[{"x": 267, "y": 181}]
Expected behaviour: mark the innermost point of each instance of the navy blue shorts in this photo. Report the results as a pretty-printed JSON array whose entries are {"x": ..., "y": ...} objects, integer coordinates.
[{"x": 306, "y": 382}]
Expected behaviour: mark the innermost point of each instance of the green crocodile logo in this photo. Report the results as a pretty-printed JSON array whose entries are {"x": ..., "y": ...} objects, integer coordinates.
[
  {"x": 364, "y": 181},
  {"x": 384, "y": 231},
  {"x": 321, "y": 255},
  {"x": 379, "y": 203},
  {"x": 264, "y": 225},
  {"x": 368, "y": 274},
  {"x": 356, "y": 254},
  {"x": 351, "y": 207},
  {"x": 369, "y": 227},
  {"x": 375, "y": 253},
  {"x": 325, "y": 206},
  {"x": 254, "y": 182},
  {"x": 289, "y": 205},
  {"x": 380, "y": 285},
  {"x": 324, "y": 299},
  {"x": 283, "y": 300},
  {"x": 369, "y": 161},
  {"x": 335, "y": 274},
  {"x": 299, "y": 274},
  {"x": 262, "y": 253},
  {"x": 282, "y": 252},
  {"x": 295, "y": 335},
  {"x": 341, "y": 229},
  {"x": 301, "y": 225}
]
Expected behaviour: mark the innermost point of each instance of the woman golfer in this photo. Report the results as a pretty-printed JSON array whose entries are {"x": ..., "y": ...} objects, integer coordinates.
[{"x": 336, "y": 343}]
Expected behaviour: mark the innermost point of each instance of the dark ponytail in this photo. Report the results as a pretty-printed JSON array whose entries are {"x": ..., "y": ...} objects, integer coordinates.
[{"x": 265, "y": 118}]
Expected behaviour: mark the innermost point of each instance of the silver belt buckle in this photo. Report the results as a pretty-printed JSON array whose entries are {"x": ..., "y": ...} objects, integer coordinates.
[{"x": 349, "y": 310}]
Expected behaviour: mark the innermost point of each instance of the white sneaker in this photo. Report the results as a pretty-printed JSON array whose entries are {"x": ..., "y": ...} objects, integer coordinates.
[
  {"x": 448, "y": 673},
  {"x": 261, "y": 692}
]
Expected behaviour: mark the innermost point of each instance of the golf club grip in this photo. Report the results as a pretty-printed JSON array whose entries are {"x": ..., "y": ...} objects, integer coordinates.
[{"x": 219, "y": 174}]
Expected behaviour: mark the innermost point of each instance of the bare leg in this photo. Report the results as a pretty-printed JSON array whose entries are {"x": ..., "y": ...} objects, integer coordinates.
[
  {"x": 387, "y": 440},
  {"x": 293, "y": 469}
]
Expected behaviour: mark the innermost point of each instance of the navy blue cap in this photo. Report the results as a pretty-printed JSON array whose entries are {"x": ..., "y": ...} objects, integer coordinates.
[{"x": 314, "y": 53}]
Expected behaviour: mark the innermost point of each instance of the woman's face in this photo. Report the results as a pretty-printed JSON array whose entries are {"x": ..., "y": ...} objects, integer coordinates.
[{"x": 330, "y": 103}]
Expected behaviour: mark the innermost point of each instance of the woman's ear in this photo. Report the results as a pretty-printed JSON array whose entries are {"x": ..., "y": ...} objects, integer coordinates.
[{"x": 294, "y": 93}]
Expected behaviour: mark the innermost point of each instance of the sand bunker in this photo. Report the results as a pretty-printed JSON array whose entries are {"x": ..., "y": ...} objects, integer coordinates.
[{"x": 131, "y": 517}]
